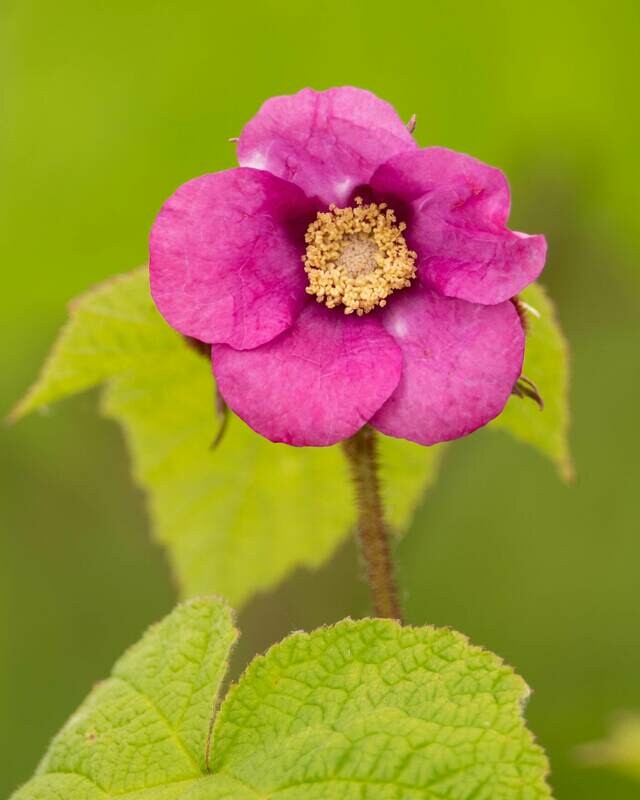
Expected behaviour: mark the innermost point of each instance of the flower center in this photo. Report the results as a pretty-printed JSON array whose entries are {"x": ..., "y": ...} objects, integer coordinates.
[{"x": 357, "y": 257}]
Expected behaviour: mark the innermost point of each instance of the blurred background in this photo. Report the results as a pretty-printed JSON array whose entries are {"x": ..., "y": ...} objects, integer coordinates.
[{"x": 105, "y": 107}]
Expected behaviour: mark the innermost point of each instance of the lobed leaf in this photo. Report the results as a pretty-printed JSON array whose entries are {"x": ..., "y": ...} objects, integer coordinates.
[
  {"x": 224, "y": 515},
  {"x": 112, "y": 329},
  {"x": 140, "y": 733},
  {"x": 364, "y": 709}
]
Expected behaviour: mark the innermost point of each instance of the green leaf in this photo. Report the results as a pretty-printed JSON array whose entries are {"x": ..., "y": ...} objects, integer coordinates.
[
  {"x": 546, "y": 363},
  {"x": 236, "y": 519},
  {"x": 141, "y": 732},
  {"x": 364, "y": 709},
  {"x": 112, "y": 329},
  {"x": 619, "y": 750}
]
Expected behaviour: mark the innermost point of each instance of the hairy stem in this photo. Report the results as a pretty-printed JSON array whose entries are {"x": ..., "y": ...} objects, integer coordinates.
[{"x": 373, "y": 534}]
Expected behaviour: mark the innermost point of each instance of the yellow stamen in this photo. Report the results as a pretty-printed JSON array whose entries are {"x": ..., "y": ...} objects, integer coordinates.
[{"x": 357, "y": 257}]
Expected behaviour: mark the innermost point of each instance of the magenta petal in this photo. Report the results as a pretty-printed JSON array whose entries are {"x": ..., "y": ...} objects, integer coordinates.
[
  {"x": 458, "y": 211},
  {"x": 326, "y": 142},
  {"x": 316, "y": 384},
  {"x": 461, "y": 361},
  {"x": 225, "y": 264}
]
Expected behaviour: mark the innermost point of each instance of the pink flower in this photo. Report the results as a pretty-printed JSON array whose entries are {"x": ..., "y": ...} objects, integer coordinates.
[{"x": 345, "y": 276}]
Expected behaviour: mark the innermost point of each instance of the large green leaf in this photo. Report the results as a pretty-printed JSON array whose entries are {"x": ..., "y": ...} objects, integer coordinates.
[
  {"x": 364, "y": 709},
  {"x": 546, "y": 363},
  {"x": 141, "y": 732},
  {"x": 235, "y": 519}
]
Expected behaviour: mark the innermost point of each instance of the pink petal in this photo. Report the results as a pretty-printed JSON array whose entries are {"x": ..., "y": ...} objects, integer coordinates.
[
  {"x": 461, "y": 361},
  {"x": 458, "y": 208},
  {"x": 226, "y": 257},
  {"x": 316, "y": 384},
  {"x": 326, "y": 142}
]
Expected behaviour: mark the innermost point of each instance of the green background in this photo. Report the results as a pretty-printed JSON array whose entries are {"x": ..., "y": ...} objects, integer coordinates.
[{"x": 105, "y": 107}]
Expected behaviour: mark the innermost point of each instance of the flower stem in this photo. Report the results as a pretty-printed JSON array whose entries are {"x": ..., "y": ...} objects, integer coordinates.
[{"x": 373, "y": 534}]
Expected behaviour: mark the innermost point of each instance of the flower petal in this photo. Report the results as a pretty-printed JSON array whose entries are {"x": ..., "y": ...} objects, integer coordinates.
[
  {"x": 461, "y": 361},
  {"x": 226, "y": 254},
  {"x": 457, "y": 211},
  {"x": 326, "y": 142},
  {"x": 316, "y": 384}
]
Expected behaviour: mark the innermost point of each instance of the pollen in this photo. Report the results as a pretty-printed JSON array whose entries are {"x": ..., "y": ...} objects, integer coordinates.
[{"x": 357, "y": 256}]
